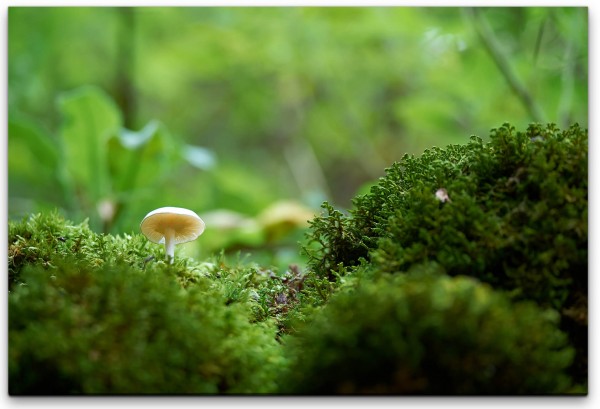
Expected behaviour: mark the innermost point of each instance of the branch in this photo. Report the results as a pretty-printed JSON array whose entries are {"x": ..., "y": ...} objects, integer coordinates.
[{"x": 488, "y": 38}]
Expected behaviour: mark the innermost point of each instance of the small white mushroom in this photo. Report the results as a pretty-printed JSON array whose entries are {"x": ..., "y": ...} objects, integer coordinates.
[
  {"x": 171, "y": 226},
  {"x": 442, "y": 195}
]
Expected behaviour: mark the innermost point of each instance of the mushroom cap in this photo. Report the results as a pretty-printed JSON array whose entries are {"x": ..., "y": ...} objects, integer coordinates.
[{"x": 186, "y": 224}]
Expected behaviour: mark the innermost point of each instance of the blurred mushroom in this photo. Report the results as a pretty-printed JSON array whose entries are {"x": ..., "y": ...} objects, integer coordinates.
[
  {"x": 442, "y": 195},
  {"x": 171, "y": 226},
  {"x": 281, "y": 217}
]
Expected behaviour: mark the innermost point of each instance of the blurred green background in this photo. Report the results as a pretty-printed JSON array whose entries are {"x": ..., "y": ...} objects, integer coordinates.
[{"x": 253, "y": 116}]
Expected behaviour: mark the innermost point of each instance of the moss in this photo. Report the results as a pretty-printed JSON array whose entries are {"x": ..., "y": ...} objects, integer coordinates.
[
  {"x": 44, "y": 239},
  {"x": 115, "y": 330},
  {"x": 517, "y": 219},
  {"x": 515, "y": 216},
  {"x": 428, "y": 334},
  {"x": 103, "y": 314}
]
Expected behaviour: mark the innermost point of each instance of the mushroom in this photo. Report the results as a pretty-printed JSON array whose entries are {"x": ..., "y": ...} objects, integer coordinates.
[
  {"x": 442, "y": 195},
  {"x": 171, "y": 226}
]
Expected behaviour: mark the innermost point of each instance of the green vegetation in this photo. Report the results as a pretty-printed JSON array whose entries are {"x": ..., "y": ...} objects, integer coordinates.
[
  {"x": 76, "y": 329},
  {"x": 515, "y": 217},
  {"x": 410, "y": 293},
  {"x": 100, "y": 314},
  {"x": 242, "y": 107},
  {"x": 516, "y": 214},
  {"x": 429, "y": 334},
  {"x": 47, "y": 240},
  {"x": 460, "y": 269}
]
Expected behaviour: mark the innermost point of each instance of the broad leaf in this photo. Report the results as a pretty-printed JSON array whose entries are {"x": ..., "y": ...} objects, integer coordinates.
[
  {"x": 141, "y": 159},
  {"x": 33, "y": 160},
  {"x": 91, "y": 117}
]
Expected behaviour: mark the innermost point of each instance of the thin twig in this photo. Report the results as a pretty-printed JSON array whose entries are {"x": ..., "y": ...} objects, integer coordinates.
[
  {"x": 568, "y": 85},
  {"x": 488, "y": 38}
]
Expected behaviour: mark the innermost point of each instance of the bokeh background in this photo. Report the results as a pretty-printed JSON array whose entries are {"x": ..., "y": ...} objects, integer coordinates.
[{"x": 253, "y": 116}]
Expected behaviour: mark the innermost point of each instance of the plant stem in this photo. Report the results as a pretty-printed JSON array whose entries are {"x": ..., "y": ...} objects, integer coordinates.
[
  {"x": 488, "y": 38},
  {"x": 568, "y": 84}
]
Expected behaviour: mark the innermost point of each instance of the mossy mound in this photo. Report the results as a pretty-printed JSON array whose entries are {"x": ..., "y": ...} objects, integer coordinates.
[
  {"x": 102, "y": 314},
  {"x": 515, "y": 214},
  {"x": 459, "y": 273},
  {"x": 45, "y": 239},
  {"x": 114, "y": 330},
  {"x": 511, "y": 212},
  {"x": 428, "y": 334}
]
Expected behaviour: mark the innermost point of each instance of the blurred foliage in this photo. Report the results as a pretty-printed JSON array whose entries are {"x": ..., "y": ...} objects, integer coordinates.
[
  {"x": 402, "y": 335},
  {"x": 114, "y": 173},
  {"x": 511, "y": 212},
  {"x": 236, "y": 108}
]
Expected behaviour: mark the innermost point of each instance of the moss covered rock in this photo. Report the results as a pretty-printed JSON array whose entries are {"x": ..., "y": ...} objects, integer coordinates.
[
  {"x": 102, "y": 314},
  {"x": 115, "y": 330},
  {"x": 460, "y": 272},
  {"x": 511, "y": 212},
  {"x": 428, "y": 334}
]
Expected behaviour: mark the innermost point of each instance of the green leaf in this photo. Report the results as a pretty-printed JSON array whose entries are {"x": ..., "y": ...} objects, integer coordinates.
[
  {"x": 91, "y": 117},
  {"x": 32, "y": 155},
  {"x": 140, "y": 159},
  {"x": 33, "y": 163}
]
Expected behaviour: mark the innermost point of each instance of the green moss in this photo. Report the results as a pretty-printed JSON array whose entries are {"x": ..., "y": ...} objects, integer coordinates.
[
  {"x": 116, "y": 330},
  {"x": 428, "y": 334},
  {"x": 516, "y": 218},
  {"x": 102, "y": 314},
  {"x": 44, "y": 239}
]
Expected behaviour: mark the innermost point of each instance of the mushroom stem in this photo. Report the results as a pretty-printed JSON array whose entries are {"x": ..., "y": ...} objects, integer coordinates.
[{"x": 170, "y": 244}]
